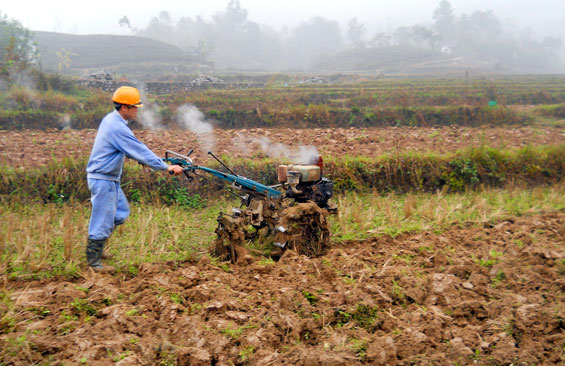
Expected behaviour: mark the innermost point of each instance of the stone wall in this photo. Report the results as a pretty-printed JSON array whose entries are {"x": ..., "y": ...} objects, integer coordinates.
[{"x": 159, "y": 88}]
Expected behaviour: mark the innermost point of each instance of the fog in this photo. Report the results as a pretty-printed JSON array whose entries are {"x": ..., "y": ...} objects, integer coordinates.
[
  {"x": 503, "y": 35},
  {"x": 101, "y": 17},
  {"x": 478, "y": 39}
]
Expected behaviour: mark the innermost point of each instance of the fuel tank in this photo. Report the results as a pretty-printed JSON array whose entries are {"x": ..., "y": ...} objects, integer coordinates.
[{"x": 308, "y": 173}]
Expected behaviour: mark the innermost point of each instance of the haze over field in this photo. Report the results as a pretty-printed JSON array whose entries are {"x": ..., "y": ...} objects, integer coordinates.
[{"x": 360, "y": 35}]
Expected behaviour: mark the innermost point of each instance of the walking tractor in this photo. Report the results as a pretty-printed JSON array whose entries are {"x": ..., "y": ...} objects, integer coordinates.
[{"x": 292, "y": 214}]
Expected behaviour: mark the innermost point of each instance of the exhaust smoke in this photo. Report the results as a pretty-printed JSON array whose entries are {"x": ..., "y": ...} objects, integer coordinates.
[
  {"x": 190, "y": 117},
  {"x": 304, "y": 154},
  {"x": 149, "y": 117}
]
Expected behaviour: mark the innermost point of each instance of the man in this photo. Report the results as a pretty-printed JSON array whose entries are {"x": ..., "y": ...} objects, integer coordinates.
[{"x": 113, "y": 142}]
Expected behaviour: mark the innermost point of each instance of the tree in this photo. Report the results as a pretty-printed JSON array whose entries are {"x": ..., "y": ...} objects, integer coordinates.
[
  {"x": 415, "y": 36},
  {"x": 355, "y": 32},
  {"x": 124, "y": 22},
  {"x": 159, "y": 28},
  {"x": 444, "y": 21},
  {"x": 481, "y": 25},
  {"x": 64, "y": 59},
  {"x": 480, "y": 36},
  {"x": 237, "y": 41},
  {"x": 17, "y": 48},
  {"x": 379, "y": 40},
  {"x": 195, "y": 37},
  {"x": 312, "y": 39},
  {"x": 552, "y": 43},
  {"x": 423, "y": 35},
  {"x": 232, "y": 16}
]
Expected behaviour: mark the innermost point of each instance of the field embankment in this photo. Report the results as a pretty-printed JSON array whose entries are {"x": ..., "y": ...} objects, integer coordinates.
[{"x": 405, "y": 172}]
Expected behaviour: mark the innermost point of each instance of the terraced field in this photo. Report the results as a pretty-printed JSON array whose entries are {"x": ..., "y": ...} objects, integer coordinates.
[{"x": 447, "y": 248}]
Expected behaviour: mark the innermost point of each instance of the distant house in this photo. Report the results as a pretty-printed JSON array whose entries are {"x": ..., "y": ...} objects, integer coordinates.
[{"x": 447, "y": 50}]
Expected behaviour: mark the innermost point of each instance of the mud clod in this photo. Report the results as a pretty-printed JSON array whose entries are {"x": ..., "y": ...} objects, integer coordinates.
[{"x": 307, "y": 229}]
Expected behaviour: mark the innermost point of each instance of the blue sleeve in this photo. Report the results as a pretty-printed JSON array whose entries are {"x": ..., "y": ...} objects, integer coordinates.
[{"x": 127, "y": 143}]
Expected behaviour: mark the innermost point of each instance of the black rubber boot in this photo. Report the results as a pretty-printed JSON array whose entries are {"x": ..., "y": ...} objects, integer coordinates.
[{"x": 94, "y": 250}]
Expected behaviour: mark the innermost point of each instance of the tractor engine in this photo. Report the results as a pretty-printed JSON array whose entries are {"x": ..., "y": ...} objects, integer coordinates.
[{"x": 306, "y": 183}]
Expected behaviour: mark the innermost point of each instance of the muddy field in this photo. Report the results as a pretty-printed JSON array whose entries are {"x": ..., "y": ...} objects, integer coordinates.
[
  {"x": 491, "y": 295},
  {"x": 34, "y": 148}
]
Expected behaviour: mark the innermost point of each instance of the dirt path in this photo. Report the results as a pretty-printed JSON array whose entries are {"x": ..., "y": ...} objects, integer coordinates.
[
  {"x": 34, "y": 148},
  {"x": 494, "y": 294}
]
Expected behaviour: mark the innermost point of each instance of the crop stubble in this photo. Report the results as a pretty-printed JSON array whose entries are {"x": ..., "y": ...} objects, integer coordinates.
[{"x": 492, "y": 293}]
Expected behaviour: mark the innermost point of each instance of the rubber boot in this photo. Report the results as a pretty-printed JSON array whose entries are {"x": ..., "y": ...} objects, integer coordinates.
[
  {"x": 94, "y": 250},
  {"x": 105, "y": 255}
]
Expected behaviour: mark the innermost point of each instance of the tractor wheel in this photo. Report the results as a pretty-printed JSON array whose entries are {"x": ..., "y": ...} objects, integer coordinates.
[
  {"x": 229, "y": 240},
  {"x": 306, "y": 229}
]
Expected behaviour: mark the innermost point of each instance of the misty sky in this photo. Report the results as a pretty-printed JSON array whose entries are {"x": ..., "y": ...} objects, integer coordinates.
[{"x": 545, "y": 17}]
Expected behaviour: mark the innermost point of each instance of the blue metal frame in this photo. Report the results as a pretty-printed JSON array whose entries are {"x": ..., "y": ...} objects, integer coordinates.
[{"x": 241, "y": 181}]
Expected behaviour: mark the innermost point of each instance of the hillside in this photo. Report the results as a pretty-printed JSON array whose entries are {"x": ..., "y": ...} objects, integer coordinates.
[
  {"x": 397, "y": 59},
  {"x": 112, "y": 52},
  {"x": 80, "y": 54}
]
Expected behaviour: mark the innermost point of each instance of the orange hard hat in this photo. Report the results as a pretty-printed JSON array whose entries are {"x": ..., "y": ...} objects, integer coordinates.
[{"x": 127, "y": 95}]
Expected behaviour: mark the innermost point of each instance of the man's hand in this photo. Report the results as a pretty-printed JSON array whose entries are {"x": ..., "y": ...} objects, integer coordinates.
[{"x": 175, "y": 169}]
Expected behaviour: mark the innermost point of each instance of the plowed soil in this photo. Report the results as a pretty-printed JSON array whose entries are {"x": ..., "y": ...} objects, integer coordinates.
[
  {"x": 490, "y": 295},
  {"x": 35, "y": 148}
]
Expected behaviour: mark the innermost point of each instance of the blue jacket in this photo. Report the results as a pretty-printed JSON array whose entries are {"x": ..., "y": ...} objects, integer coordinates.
[{"x": 113, "y": 142}]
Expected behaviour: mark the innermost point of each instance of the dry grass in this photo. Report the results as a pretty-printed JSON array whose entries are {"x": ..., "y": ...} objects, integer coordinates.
[
  {"x": 50, "y": 239},
  {"x": 364, "y": 215}
]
